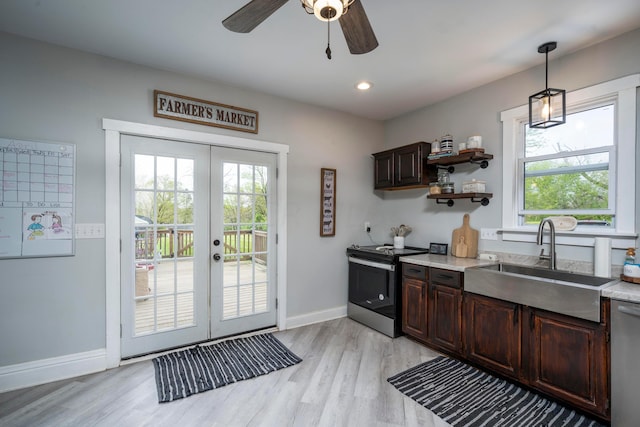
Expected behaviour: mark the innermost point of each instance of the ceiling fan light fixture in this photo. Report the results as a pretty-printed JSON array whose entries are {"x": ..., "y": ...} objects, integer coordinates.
[{"x": 326, "y": 10}]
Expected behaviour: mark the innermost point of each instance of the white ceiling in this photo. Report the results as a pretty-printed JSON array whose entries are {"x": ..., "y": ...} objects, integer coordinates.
[{"x": 429, "y": 49}]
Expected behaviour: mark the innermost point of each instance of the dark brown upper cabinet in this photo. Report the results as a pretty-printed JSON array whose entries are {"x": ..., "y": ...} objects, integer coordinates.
[{"x": 404, "y": 168}]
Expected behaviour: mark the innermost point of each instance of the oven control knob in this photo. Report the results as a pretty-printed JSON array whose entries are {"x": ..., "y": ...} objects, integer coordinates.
[{"x": 381, "y": 297}]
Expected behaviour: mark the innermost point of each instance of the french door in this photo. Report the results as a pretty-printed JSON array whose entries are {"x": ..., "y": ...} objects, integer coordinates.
[{"x": 198, "y": 246}]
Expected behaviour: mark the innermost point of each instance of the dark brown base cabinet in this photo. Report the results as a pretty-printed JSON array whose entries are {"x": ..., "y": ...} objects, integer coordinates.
[
  {"x": 432, "y": 306},
  {"x": 445, "y": 309},
  {"x": 414, "y": 301},
  {"x": 492, "y": 334},
  {"x": 564, "y": 357},
  {"x": 569, "y": 359}
]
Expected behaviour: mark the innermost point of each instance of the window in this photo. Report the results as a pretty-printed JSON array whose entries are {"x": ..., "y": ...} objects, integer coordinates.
[
  {"x": 584, "y": 168},
  {"x": 565, "y": 170}
]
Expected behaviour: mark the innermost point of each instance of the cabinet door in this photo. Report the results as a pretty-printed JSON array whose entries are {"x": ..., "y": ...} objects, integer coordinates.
[
  {"x": 569, "y": 359},
  {"x": 408, "y": 165},
  {"x": 492, "y": 333},
  {"x": 414, "y": 308},
  {"x": 445, "y": 317},
  {"x": 383, "y": 170}
]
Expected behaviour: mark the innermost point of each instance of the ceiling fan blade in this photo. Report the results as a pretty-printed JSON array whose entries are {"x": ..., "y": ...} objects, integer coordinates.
[
  {"x": 251, "y": 15},
  {"x": 357, "y": 30}
]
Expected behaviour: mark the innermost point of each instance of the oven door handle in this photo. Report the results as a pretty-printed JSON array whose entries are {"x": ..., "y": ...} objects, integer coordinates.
[{"x": 389, "y": 267}]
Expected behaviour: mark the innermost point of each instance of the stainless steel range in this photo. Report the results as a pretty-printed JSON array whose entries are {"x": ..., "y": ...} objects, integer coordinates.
[{"x": 375, "y": 285}]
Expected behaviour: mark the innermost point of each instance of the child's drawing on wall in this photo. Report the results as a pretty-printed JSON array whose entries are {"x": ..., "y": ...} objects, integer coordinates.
[
  {"x": 47, "y": 225},
  {"x": 35, "y": 229},
  {"x": 56, "y": 223}
]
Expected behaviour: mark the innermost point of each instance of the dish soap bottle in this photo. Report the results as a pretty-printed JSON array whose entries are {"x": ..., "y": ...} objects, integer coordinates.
[{"x": 630, "y": 257}]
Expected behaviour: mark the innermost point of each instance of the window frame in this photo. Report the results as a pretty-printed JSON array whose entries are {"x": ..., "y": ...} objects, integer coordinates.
[{"x": 623, "y": 93}]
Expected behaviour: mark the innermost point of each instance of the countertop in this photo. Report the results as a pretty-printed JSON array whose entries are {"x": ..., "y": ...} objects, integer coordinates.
[
  {"x": 445, "y": 261},
  {"x": 624, "y": 291}
]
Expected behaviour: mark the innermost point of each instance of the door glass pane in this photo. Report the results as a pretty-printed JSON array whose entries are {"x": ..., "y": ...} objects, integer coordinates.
[
  {"x": 245, "y": 225},
  {"x": 230, "y": 172},
  {"x": 185, "y": 178},
  {"x": 166, "y": 174},
  {"x": 164, "y": 239},
  {"x": 144, "y": 172}
]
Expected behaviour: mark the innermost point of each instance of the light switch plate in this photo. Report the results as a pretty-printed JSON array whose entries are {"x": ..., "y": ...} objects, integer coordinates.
[
  {"x": 90, "y": 231},
  {"x": 489, "y": 233}
]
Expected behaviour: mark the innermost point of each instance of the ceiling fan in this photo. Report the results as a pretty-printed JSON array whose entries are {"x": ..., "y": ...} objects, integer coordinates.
[{"x": 350, "y": 13}]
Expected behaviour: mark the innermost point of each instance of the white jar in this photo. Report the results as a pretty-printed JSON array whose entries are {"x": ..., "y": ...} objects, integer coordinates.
[
  {"x": 398, "y": 242},
  {"x": 474, "y": 141},
  {"x": 435, "y": 147}
]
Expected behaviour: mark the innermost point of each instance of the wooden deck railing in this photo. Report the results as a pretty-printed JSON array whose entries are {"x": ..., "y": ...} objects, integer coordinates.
[{"x": 247, "y": 243}]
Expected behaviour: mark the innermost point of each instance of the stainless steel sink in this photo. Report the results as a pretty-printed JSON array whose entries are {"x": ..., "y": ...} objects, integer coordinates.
[{"x": 564, "y": 292}]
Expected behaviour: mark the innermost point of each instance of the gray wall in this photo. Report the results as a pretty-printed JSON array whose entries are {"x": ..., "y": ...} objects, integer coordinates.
[
  {"x": 56, "y": 306},
  {"x": 477, "y": 112}
]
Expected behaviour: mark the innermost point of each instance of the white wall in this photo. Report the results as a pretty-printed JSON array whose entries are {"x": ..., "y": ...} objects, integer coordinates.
[
  {"x": 56, "y": 306},
  {"x": 477, "y": 112}
]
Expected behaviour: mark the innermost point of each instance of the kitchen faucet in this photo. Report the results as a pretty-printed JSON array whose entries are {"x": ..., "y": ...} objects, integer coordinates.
[{"x": 552, "y": 242}]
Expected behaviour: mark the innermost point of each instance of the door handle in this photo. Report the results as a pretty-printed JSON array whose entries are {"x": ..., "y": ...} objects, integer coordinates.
[{"x": 216, "y": 257}]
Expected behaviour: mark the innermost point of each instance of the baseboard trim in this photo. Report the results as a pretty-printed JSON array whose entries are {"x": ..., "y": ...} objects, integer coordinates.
[
  {"x": 316, "y": 317},
  {"x": 43, "y": 371},
  {"x": 38, "y": 372}
]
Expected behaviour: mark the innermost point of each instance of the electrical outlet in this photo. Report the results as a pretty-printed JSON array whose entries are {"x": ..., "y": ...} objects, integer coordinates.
[
  {"x": 489, "y": 233},
  {"x": 367, "y": 226}
]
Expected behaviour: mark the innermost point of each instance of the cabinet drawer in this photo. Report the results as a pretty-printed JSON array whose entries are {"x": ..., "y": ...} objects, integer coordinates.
[
  {"x": 446, "y": 277},
  {"x": 415, "y": 271}
]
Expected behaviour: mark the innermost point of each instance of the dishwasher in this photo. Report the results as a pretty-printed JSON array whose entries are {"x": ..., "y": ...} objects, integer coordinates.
[{"x": 625, "y": 363}]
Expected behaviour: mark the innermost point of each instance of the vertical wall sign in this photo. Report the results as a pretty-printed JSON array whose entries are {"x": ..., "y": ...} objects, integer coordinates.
[
  {"x": 327, "y": 202},
  {"x": 193, "y": 110},
  {"x": 37, "y": 182}
]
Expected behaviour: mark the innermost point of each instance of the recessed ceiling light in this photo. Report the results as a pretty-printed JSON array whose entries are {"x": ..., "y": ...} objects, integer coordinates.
[{"x": 364, "y": 85}]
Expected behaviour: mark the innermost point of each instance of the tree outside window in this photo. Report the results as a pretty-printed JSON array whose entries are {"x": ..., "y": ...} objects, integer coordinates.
[{"x": 565, "y": 170}]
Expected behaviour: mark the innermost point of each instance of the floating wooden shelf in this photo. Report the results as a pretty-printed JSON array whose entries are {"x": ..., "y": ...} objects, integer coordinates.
[
  {"x": 447, "y": 199},
  {"x": 470, "y": 157}
]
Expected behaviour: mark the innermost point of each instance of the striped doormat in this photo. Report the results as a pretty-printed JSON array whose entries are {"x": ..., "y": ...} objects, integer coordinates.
[
  {"x": 201, "y": 368},
  {"x": 465, "y": 396}
]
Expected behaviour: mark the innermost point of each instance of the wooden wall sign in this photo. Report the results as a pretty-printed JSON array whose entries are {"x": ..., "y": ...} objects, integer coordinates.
[
  {"x": 193, "y": 110},
  {"x": 327, "y": 202}
]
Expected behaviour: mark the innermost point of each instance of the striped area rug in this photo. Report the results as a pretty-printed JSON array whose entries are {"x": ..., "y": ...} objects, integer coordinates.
[
  {"x": 465, "y": 396},
  {"x": 201, "y": 368}
]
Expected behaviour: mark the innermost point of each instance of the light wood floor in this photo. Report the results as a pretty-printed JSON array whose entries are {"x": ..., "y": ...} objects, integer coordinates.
[{"x": 341, "y": 382}]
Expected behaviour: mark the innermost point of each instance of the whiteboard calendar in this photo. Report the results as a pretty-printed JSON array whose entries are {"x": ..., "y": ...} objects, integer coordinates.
[{"x": 37, "y": 187}]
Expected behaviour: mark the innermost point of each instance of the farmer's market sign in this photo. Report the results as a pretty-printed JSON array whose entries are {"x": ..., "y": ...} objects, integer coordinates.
[{"x": 186, "y": 109}]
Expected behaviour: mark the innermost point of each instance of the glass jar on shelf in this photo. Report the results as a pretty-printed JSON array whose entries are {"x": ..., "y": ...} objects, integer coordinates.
[
  {"x": 448, "y": 188},
  {"x": 443, "y": 176}
]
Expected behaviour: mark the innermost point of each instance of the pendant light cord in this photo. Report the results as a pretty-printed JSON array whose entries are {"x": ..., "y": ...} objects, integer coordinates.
[
  {"x": 328, "y": 50},
  {"x": 546, "y": 69}
]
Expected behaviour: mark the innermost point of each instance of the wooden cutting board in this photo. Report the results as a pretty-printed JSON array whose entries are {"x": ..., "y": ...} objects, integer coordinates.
[{"x": 464, "y": 240}]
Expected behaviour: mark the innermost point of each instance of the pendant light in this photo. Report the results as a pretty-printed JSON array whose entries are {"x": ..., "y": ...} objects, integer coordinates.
[{"x": 548, "y": 107}]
